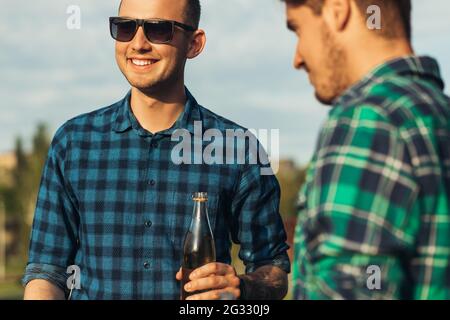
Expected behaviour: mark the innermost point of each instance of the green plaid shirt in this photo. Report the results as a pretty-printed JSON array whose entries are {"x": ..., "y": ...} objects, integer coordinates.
[{"x": 378, "y": 191}]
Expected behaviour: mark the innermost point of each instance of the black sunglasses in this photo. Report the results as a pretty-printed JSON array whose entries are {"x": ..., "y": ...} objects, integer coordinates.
[{"x": 156, "y": 30}]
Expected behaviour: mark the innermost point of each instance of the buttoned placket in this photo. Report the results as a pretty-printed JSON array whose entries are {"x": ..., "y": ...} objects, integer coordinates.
[{"x": 148, "y": 218}]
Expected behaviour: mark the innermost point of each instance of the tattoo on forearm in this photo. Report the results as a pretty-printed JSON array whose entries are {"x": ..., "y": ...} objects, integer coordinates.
[{"x": 266, "y": 283}]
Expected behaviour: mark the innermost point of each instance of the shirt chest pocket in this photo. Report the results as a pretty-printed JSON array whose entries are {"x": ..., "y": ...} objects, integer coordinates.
[{"x": 178, "y": 222}]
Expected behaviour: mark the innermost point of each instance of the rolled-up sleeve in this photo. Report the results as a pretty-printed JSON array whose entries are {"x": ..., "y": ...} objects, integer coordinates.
[
  {"x": 258, "y": 226},
  {"x": 53, "y": 237},
  {"x": 51, "y": 273}
]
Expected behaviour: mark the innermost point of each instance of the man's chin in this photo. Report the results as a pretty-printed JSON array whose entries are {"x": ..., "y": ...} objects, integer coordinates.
[
  {"x": 143, "y": 85},
  {"x": 326, "y": 100}
]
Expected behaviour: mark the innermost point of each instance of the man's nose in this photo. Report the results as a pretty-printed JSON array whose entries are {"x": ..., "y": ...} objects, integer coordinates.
[
  {"x": 298, "y": 61},
  {"x": 140, "y": 42}
]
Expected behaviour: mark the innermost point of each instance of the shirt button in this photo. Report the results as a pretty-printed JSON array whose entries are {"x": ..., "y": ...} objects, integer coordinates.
[
  {"x": 147, "y": 265},
  {"x": 154, "y": 144},
  {"x": 148, "y": 224},
  {"x": 152, "y": 182}
]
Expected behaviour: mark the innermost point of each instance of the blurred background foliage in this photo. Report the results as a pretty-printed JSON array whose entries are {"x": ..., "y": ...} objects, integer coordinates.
[{"x": 20, "y": 173}]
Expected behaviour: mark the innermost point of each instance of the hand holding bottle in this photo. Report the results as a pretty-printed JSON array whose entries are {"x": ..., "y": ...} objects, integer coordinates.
[{"x": 216, "y": 280}]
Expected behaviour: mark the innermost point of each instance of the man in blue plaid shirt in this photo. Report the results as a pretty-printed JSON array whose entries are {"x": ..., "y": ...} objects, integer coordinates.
[{"x": 114, "y": 204}]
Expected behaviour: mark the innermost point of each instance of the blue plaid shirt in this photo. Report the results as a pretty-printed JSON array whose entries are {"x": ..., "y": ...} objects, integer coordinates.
[{"x": 112, "y": 202}]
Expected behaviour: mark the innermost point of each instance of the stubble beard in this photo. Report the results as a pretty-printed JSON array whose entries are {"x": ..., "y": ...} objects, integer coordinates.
[
  {"x": 157, "y": 81},
  {"x": 335, "y": 62}
]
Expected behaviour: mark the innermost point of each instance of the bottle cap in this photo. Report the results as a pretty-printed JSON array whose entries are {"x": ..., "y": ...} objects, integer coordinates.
[{"x": 200, "y": 196}]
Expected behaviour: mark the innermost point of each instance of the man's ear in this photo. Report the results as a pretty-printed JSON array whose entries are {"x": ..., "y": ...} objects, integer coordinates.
[
  {"x": 197, "y": 44},
  {"x": 336, "y": 14}
]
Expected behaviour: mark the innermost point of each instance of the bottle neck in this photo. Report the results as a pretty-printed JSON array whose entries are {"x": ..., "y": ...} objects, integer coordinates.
[{"x": 200, "y": 222}]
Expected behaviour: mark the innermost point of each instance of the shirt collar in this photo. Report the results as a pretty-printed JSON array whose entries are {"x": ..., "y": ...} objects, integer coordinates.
[
  {"x": 124, "y": 118},
  {"x": 412, "y": 66}
]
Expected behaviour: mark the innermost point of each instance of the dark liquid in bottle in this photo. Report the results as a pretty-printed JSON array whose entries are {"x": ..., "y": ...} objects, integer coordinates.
[{"x": 197, "y": 253}]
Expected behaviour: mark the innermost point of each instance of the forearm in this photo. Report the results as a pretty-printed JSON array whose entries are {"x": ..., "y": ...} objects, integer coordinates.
[
  {"x": 266, "y": 283},
  {"x": 43, "y": 290}
]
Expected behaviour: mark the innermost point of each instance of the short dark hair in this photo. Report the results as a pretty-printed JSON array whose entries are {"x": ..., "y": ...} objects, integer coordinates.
[
  {"x": 192, "y": 13},
  {"x": 394, "y": 11}
]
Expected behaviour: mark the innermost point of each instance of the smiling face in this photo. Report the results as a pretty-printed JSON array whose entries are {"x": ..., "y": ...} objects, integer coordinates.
[
  {"x": 148, "y": 66},
  {"x": 317, "y": 53}
]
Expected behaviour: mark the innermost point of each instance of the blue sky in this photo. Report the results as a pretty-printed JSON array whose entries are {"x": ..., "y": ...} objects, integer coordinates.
[{"x": 49, "y": 73}]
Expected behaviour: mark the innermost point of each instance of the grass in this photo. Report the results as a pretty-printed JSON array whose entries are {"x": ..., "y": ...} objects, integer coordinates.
[{"x": 11, "y": 290}]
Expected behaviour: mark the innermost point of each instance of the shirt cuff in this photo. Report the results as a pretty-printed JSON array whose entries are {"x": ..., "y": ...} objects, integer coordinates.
[
  {"x": 54, "y": 274},
  {"x": 281, "y": 261}
]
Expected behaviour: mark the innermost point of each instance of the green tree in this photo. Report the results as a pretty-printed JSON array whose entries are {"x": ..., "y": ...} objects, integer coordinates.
[
  {"x": 20, "y": 197},
  {"x": 291, "y": 179}
]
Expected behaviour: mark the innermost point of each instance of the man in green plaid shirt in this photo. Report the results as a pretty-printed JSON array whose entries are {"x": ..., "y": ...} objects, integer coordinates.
[{"x": 374, "y": 220}]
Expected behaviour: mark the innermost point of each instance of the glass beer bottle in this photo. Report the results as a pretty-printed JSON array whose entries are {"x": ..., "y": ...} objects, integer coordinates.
[{"x": 198, "y": 248}]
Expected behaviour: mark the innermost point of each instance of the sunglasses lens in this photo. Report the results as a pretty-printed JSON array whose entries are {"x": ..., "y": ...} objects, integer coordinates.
[
  {"x": 159, "y": 31},
  {"x": 123, "y": 30}
]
